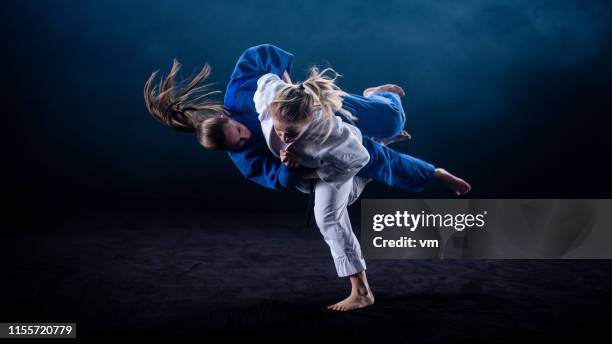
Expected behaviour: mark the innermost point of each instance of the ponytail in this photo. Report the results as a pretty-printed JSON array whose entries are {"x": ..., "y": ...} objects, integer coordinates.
[
  {"x": 297, "y": 102},
  {"x": 328, "y": 94},
  {"x": 185, "y": 107}
]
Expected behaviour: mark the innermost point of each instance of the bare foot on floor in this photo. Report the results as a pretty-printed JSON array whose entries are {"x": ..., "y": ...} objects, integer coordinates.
[
  {"x": 458, "y": 185},
  {"x": 384, "y": 88},
  {"x": 354, "y": 301},
  {"x": 402, "y": 136}
]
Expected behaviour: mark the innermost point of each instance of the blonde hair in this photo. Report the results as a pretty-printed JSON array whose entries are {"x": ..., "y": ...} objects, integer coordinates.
[
  {"x": 297, "y": 103},
  {"x": 185, "y": 106}
]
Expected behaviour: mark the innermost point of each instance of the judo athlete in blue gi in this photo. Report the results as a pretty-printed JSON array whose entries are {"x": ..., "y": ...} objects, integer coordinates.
[{"x": 235, "y": 127}]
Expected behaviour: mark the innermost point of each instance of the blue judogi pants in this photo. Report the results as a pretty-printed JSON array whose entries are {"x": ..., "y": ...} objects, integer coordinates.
[{"x": 381, "y": 116}]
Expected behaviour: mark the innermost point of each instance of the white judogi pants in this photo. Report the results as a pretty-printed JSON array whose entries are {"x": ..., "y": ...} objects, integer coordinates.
[{"x": 332, "y": 218}]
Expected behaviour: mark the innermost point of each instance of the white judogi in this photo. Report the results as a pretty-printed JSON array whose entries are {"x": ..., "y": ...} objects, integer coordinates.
[{"x": 337, "y": 160}]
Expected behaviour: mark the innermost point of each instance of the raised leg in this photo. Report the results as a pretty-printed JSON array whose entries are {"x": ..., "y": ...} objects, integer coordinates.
[
  {"x": 404, "y": 171},
  {"x": 395, "y": 169},
  {"x": 380, "y": 115}
]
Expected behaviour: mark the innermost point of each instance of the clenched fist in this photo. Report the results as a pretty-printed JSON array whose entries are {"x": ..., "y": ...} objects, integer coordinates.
[{"x": 290, "y": 159}]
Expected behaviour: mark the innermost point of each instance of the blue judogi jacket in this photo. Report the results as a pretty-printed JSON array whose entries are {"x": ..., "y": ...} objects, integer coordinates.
[{"x": 258, "y": 164}]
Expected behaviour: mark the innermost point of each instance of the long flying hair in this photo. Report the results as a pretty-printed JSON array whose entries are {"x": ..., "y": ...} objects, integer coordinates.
[{"x": 185, "y": 105}]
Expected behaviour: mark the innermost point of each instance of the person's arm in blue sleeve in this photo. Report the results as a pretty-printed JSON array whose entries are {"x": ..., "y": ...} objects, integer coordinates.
[
  {"x": 289, "y": 178},
  {"x": 252, "y": 64},
  {"x": 265, "y": 169}
]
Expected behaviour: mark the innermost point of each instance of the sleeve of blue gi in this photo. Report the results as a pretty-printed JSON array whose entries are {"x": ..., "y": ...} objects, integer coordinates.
[
  {"x": 263, "y": 168},
  {"x": 289, "y": 178},
  {"x": 252, "y": 64}
]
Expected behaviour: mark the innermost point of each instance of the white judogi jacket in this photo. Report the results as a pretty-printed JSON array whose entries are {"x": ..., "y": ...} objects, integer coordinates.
[{"x": 337, "y": 159}]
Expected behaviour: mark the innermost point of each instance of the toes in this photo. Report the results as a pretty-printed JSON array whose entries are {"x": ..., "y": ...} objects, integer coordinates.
[
  {"x": 399, "y": 90},
  {"x": 405, "y": 134},
  {"x": 368, "y": 91},
  {"x": 334, "y": 307},
  {"x": 347, "y": 306},
  {"x": 465, "y": 186},
  {"x": 384, "y": 88}
]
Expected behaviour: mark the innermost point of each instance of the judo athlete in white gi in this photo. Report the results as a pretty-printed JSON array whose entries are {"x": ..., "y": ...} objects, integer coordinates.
[
  {"x": 299, "y": 120},
  {"x": 272, "y": 161}
]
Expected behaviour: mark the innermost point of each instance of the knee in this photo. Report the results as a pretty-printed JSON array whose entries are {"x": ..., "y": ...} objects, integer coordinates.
[{"x": 327, "y": 217}]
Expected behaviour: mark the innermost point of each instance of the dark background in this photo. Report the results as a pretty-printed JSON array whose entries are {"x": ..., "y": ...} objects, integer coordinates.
[
  {"x": 130, "y": 228},
  {"x": 513, "y": 96}
]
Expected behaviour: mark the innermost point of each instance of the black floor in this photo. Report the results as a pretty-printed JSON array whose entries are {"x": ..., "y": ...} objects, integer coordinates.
[{"x": 202, "y": 275}]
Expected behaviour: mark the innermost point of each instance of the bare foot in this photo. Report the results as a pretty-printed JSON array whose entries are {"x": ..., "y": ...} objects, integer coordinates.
[
  {"x": 402, "y": 136},
  {"x": 384, "y": 88},
  {"x": 354, "y": 301},
  {"x": 458, "y": 185}
]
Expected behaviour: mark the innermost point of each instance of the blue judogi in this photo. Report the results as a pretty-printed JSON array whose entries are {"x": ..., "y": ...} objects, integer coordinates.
[
  {"x": 380, "y": 116},
  {"x": 252, "y": 64}
]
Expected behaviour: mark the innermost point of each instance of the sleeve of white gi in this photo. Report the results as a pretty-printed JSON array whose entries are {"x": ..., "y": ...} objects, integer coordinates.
[{"x": 268, "y": 87}]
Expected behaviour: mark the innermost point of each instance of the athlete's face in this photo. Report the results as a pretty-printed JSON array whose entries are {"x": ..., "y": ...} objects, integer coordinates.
[
  {"x": 287, "y": 132},
  {"x": 236, "y": 135}
]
